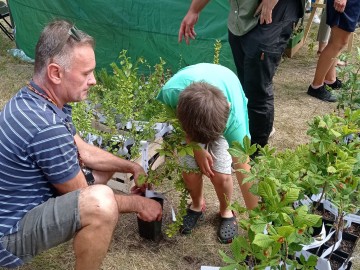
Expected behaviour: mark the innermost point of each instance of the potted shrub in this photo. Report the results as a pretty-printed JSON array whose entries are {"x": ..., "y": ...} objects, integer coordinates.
[{"x": 329, "y": 164}]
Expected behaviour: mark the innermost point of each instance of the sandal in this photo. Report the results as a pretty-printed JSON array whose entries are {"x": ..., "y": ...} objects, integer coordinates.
[
  {"x": 190, "y": 220},
  {"x": 228, "y": 229}
]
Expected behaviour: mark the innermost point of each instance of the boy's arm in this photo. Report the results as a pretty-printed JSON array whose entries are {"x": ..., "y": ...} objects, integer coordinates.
[{"x": 204, "y": 161}]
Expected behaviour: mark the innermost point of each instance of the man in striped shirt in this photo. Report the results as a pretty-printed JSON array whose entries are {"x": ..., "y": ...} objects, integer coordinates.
[{"x": 44, "y": 196}]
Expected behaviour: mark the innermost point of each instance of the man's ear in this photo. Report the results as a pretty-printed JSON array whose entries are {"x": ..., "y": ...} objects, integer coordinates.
[{"x": 54, "y": 72}]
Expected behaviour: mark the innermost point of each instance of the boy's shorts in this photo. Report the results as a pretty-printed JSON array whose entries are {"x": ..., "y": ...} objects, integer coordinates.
[
  {"x": 346, "y": 20},
  {"x": 221, "y": 157},
  {"x": 47, "y": 225}
]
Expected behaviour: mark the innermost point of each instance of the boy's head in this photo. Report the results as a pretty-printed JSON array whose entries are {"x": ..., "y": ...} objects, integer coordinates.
[{"x": 203, "y": 111}]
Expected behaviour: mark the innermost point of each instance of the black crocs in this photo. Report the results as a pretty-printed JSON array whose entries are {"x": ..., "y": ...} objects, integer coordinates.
[
  {"x": 228, "y": 230},
  {"x": 190, "y": 220}
]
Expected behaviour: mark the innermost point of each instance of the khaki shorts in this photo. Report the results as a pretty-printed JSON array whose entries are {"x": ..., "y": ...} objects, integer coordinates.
[
  {"x": 47, "y": 225},
  {"x": 219, "y": 152}
]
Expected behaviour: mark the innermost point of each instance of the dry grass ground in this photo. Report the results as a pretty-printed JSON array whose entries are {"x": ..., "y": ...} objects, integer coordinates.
[{"x": 294, "y": 108}]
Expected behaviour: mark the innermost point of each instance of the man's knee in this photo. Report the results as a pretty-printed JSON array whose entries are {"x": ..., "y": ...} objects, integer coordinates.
[{"x": 97, "y": 204}]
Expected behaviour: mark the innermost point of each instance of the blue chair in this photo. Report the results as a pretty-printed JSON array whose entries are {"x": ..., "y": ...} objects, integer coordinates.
[{"x": 4, "y": 14}]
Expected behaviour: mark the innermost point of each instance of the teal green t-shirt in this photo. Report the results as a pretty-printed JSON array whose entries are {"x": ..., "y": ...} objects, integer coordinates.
[{"x": 237, "y": 126}]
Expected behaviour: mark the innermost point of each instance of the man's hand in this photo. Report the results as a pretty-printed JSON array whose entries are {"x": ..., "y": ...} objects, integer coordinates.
[
  {"x": 340, "y": 5},
  {"x": 265, "y": 10},
  {"x": 205, "y": 162},
  {"x": 137, "y": 170},
  {"x": 187, "y": 27},
  {"x": 149, "y": 209}
]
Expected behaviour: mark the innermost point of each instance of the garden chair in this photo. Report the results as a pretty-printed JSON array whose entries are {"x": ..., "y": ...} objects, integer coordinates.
[{"x": 4, "y": 14}]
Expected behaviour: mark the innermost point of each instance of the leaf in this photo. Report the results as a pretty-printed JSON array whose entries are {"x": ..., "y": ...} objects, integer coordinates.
[
  {"x": 258, "y": 228},
  {"x": 300, "y": 215},
  {"x": 262, "y": 240},
  {"x": 291, "y": 196},
  {"x": 335, "y": 133},
  {"x": 240, "y": 242},
  {"x": 286, "y": 218},
  {"x": 285, "y": 230},
  {"x": 226, "y": 258},
  {"x": 311, "y": 220},
  {"x": 287, "y": 210},
  {"x": 230, "y": 267},
  {"x": 331, "y": 170},
  {"x": 265, "y": 190},
  {"x": 182, "y": 152},
  {"x": 322, "y": 124},
  {"x": 235, "y": 152}
]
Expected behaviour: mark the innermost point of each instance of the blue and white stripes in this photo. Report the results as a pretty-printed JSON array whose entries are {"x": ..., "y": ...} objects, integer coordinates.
[{"x": 36, "y": 150}]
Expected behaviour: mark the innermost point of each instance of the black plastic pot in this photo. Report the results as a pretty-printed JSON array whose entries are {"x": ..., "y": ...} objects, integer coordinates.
[
  {"x": 336, "y": 257},
  {"x": 151, "y": 230},
  {"x": 327, "y": 215},
  {"x": 349, "y": 238},
  {"x": 328, "y": 227},
  {"x": 353, "y": 229}
]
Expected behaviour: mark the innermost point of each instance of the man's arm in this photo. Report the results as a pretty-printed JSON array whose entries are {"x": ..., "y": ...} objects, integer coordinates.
[
  {"x": 187, "y": 25},
  {"x": 75, "y": 183},
  {"x": 101, "y": 160}
]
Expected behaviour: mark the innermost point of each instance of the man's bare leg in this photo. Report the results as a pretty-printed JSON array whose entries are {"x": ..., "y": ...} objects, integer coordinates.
[{"x": 99, "y": 215}]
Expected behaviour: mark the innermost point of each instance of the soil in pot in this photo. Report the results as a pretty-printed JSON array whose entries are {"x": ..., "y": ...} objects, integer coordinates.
[
  {"x": 347, "y": 243},
  {"x": 353, "y": 229},
  {"x": 327, "y": 215},
  {"x": 336, "y": 260}
]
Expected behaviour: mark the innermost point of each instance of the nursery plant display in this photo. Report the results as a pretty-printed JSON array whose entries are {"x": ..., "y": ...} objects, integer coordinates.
[{"x": 298, "y": 188}]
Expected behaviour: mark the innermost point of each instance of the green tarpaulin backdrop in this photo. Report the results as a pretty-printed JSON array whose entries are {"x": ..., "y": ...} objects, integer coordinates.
[{"x": 146, "y": 28}]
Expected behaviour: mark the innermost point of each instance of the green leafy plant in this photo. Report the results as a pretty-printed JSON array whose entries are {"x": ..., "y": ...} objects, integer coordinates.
[
  {"x": 122, "y": 104},
  {"x": 217, "y": 50},
  {"x": 334, "y": 162},
  {"x": 349, "y": 94},
  {"x": 173, "y": 149},
  {"x": 275, "y": 230},
  {"x": 329, "y": 164}
]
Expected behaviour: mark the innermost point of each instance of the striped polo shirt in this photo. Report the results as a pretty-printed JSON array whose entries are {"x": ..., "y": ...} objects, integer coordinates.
[{"x": 36, "y": 150}]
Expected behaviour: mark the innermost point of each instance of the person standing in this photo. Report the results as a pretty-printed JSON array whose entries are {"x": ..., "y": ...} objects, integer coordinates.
[
  {"x": 45, "y": 197},
  {"x": 258, "y": 32},
  {"x": 342, "y": 17}
]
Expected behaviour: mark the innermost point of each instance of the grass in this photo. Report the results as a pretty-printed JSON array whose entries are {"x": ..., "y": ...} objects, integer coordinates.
[
  {"x": 14, "y": 73},
  {"x": 128, "y": 251}
]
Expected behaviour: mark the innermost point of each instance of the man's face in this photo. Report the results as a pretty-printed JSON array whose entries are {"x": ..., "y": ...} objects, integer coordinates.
[{"x": 77, "y": 79}]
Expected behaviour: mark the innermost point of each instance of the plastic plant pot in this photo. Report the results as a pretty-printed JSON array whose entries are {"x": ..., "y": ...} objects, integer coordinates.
[{"x": 151, "y": 230}]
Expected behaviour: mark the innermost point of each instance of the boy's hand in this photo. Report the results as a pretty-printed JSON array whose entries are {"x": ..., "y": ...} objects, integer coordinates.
[{"x": 204, "y": 161}]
